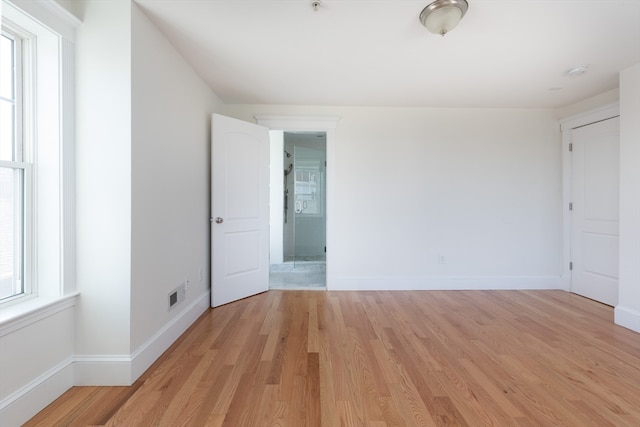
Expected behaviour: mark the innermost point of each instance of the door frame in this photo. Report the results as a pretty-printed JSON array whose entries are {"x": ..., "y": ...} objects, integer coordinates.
[
  {"x": 567, "y": 126},
  {"x": 327, "y": 124}
]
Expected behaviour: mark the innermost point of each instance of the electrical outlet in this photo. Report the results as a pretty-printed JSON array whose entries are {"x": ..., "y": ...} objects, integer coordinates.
[{"x": 441, "y": 259}]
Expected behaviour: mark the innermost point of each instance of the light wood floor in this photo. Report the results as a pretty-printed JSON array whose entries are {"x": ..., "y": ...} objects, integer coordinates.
[{"x": 379, "y": 359}]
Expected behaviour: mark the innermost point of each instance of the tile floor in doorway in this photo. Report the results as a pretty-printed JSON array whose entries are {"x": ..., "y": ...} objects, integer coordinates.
[{"x": 298, "y": 275}]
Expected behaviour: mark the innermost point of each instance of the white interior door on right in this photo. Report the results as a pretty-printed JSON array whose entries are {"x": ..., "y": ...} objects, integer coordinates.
[{"x": 595, "y": 199}]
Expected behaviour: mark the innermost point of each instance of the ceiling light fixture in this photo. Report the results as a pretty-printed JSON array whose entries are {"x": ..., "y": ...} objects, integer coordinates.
[{"x": 442, "y": 16}]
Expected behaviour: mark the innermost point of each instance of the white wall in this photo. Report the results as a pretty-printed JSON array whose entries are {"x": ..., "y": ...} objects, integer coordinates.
[
  {"x": 627, "y": 313},
  {"x": 143, "y": 193},
  {"x": 103, "y": 191},
  {"x": 170, "y": 188},
  {"x": 276, "y": 200},
  {"x": 481, "y": 187}
]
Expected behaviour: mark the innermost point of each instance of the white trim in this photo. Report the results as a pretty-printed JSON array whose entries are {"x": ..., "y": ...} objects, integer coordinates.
[
  {"x": 152, "y": 349},
  {"x": 18, "y": 316},
  {"x": 290, "y": 123},
  {"x": 566, "y": 126},
  {"x": 60, "y": 12},
  {"x": 566, "y": 214},
  {"x": 50, "y": 14},
  {"x": 123, "y": 370},
  {"x": 627, "y": 317},
  {"x": 68, "y": 169},
  {"x": 26, "y": 402},
  {"x": 102, "y": 370},
  {"x": 327, "y": 124},
  {"x": 591, "y": 116},
  {"x": 432, "y": 283}
]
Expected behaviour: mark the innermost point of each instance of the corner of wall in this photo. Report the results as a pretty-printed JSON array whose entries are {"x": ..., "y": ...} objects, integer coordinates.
[
  {"x": 153, "y": 348},
  {"x": 627, "y": 313},
  {"x": 627, "y": 317},
  {"x": 124, "y": 370}
]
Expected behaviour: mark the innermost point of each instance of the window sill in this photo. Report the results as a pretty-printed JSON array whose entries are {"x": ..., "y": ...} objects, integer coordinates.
[{"x": 20, "y": 315}]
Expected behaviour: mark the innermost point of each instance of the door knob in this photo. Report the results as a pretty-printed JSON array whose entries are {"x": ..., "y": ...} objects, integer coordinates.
[{"x": 219, "y": 220}]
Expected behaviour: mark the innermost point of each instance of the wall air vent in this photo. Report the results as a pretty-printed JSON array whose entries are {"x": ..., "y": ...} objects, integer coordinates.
[{"x": 177, "y": 295}]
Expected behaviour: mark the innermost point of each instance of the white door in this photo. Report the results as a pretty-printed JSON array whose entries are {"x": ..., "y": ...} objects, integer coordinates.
[
  {"x": 239, "y": 210},
  {"x": 595, "y": 195}
]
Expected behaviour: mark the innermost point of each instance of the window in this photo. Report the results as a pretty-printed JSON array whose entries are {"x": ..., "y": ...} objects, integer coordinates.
[
  {"x": 308, "y": 189},
  {"x": 37, "y": 226},
  {"x": 14, "y": 170}
]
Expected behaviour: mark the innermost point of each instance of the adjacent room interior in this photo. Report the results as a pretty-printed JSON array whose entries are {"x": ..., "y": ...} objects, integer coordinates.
[{"x": 297, "y": 210}]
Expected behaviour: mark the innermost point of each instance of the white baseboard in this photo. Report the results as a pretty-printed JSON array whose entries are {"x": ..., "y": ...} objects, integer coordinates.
[
  {"x": 118, "y": 370},
  {"x": 350, "y": 283},
  {"x": 23, "y": 404},
  {"x": 153, "y": 348},
  {"x": 102, "y": 370},
  {"x": 627, "y": 317}
]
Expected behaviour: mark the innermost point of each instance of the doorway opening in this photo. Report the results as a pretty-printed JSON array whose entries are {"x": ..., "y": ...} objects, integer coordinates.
[{"x": 298, "y": 183}]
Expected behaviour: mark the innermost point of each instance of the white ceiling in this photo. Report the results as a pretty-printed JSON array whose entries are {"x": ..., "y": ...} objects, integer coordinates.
[{"x": 504, "y": 53}]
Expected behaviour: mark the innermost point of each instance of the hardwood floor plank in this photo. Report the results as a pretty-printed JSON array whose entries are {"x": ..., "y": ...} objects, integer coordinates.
[
  {"x": 281, "y": 345},
  {"x": 270, "y": 410},
  {"x": 313, "y": 345},
  {"x": 382, "y": 359},
  {"x": 312, "y": 405},
  {"x": 208, "y": 393},
  {"x": 328, "y": 414},
  {"x": 273, "y": 336},
  {"x": 295, "y": 360},
  {"x": 496, "y": 395},
  {"x": 390, "y": 412},
  {"x": 347, "y": 415},
  {"x": 296, "y": 415},
  {"x": 182, "y": 407},
  {"x": 411, "y": 407},
  {"x": 368, "y": 389},
  {"x": 249, "y": 386}
]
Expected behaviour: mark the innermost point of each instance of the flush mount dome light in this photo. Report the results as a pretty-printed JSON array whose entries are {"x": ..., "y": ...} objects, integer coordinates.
[{"x": 442, "y": 16}]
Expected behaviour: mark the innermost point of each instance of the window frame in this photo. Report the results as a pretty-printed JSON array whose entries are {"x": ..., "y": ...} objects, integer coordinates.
[
  {"x": 22, "y": 160},
  {"x": 49, "y": 152}
]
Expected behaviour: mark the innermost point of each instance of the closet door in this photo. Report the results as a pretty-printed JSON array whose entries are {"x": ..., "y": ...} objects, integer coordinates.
[{"x": 595, "y": 198}]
